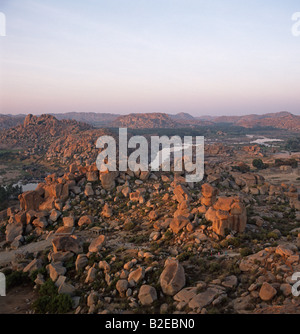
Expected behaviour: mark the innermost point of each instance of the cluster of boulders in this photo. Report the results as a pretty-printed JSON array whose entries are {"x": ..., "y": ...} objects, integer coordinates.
[
  {"x": 253, "y": 149},
  {"x": 161, "y": 221},
  {"x": 39, "y": 132},
  {"x": 226, "y": 213}
]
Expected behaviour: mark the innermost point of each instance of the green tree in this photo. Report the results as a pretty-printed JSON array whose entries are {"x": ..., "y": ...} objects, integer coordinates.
[{"x": 259, "y": 164}]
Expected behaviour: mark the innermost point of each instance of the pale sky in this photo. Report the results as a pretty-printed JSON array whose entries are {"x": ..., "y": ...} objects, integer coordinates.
[{"x": 218, "y": 57}]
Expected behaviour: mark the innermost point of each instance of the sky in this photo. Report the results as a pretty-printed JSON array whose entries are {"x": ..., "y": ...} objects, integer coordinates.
[{"x": 217, "y": 57}]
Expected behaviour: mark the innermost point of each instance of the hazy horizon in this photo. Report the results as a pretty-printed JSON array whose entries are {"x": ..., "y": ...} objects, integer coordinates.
[
  {"x": 120, "y": 114},
  {"x": 169, "y": 56}
]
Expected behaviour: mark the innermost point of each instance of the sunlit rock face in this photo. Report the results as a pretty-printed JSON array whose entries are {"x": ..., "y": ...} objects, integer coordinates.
[{"x": 227, "y": 214}]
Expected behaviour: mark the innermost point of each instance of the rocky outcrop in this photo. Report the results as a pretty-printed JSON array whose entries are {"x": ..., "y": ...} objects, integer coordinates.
[
  {"x": 30, "y": 200},
  {"x": 227, "y": 214},
  {"x": 39, "y": 132},
  {"x": 209, "y": 195}
]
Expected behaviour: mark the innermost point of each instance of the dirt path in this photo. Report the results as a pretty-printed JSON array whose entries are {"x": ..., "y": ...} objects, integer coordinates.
[
  {"x": 18, "y": 300},
  {"x": 8, "y": 256}
]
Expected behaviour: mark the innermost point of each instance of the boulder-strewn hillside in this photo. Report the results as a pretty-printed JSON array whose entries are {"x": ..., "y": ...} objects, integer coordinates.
[
  {"x": 143, "y": 242},
  {"x": 145, "y": 121},
  {"x": 281, "y": 120},
  {"x": 76, "y": 147},
  {"x": 39, "y": 132}
]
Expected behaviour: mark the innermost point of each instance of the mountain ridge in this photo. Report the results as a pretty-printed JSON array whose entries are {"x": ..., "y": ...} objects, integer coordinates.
[{"x": 280, "y": 120}]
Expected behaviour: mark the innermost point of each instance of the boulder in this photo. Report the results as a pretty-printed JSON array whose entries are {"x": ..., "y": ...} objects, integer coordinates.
[
  {"x": 137, "y": 275},
  {"x": 66, "y": 244},
  {"x": 56, "y": 270},
  {"x": 230, "y": 282},
  {"x": 92, "y": 176},
  {"x": 108, "y": 180},
  {"x": 178, "y": 223},
  {"x": 30, "y": 200},
  {"x": 185, "y": 295},
  {"x": 55, "y": 214},
  {"x": 20, "y": 217},
  {"x": 97, "y": 244},
  {"x": 172, "y": 279},
  {"x": 69, "y": 221},
  {"x": 35, "y": 264},
  {"x": 267, "y": 292},
  {"x": 209, "y": 191},
  {"x": 85, "y": 220},
  {"x": 209, "y": 194},
  {"x": 107, "y": 211},
  {"x": 122, "y": 286},
  {"x": 13, "y": 230},
  {"x": 40, "y": 222},
  {"x": 81, "y": 262},
  {"x": 67, "y": 289},
  {"x": 284, "y": 251},
  {"x": 205, "y": 298},
  {"x": 181, "y": 194},
  {"x": 91, "y": 275},
  {"x": 153, "y": 215},
  {"x": 147, "y": 295},
  {"x": 227, "y": 214},
  {"x": 88, "y": 191}
]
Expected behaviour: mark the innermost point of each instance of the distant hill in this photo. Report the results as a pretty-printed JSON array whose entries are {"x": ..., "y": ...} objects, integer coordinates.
[
  {"x": 280, "y": 120},
  {"x": 182, "y": 117},
  {"x": 145, "y": 121},
  {"x": 94, "y": 119},
  {"x": 9, "y": 121}
]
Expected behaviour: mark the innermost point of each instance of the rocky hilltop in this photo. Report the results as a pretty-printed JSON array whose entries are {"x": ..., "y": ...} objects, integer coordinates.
[
  {"x": 76, "y": 147},
  {"x": 39, "y": 132},
  {"x": 281, "y": 120},
  {"x": 145, "y": 121}
]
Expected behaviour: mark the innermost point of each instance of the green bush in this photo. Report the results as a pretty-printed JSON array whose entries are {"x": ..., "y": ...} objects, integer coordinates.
[
  {"x": 259, "y": 164},
  {"x": 50, "y": 301},
  {"x": 214, "y": 267},
  {"x": 16, "y": 278},
  {"x": 246, "y": 251},
  {"x": 34, "y": 273},
  {"x": 273, "y": 235}
]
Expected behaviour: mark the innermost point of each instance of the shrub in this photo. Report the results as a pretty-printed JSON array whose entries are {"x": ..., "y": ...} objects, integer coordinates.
[
  {"x": 273, "y": 235},
  {"x": 246, "y": 251},
  {"x": 259, "y": 164},
  {"x": 214, "y": 267},
  {"x": 16, "y": 278},
  {"x": 50, "y": 301}
]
